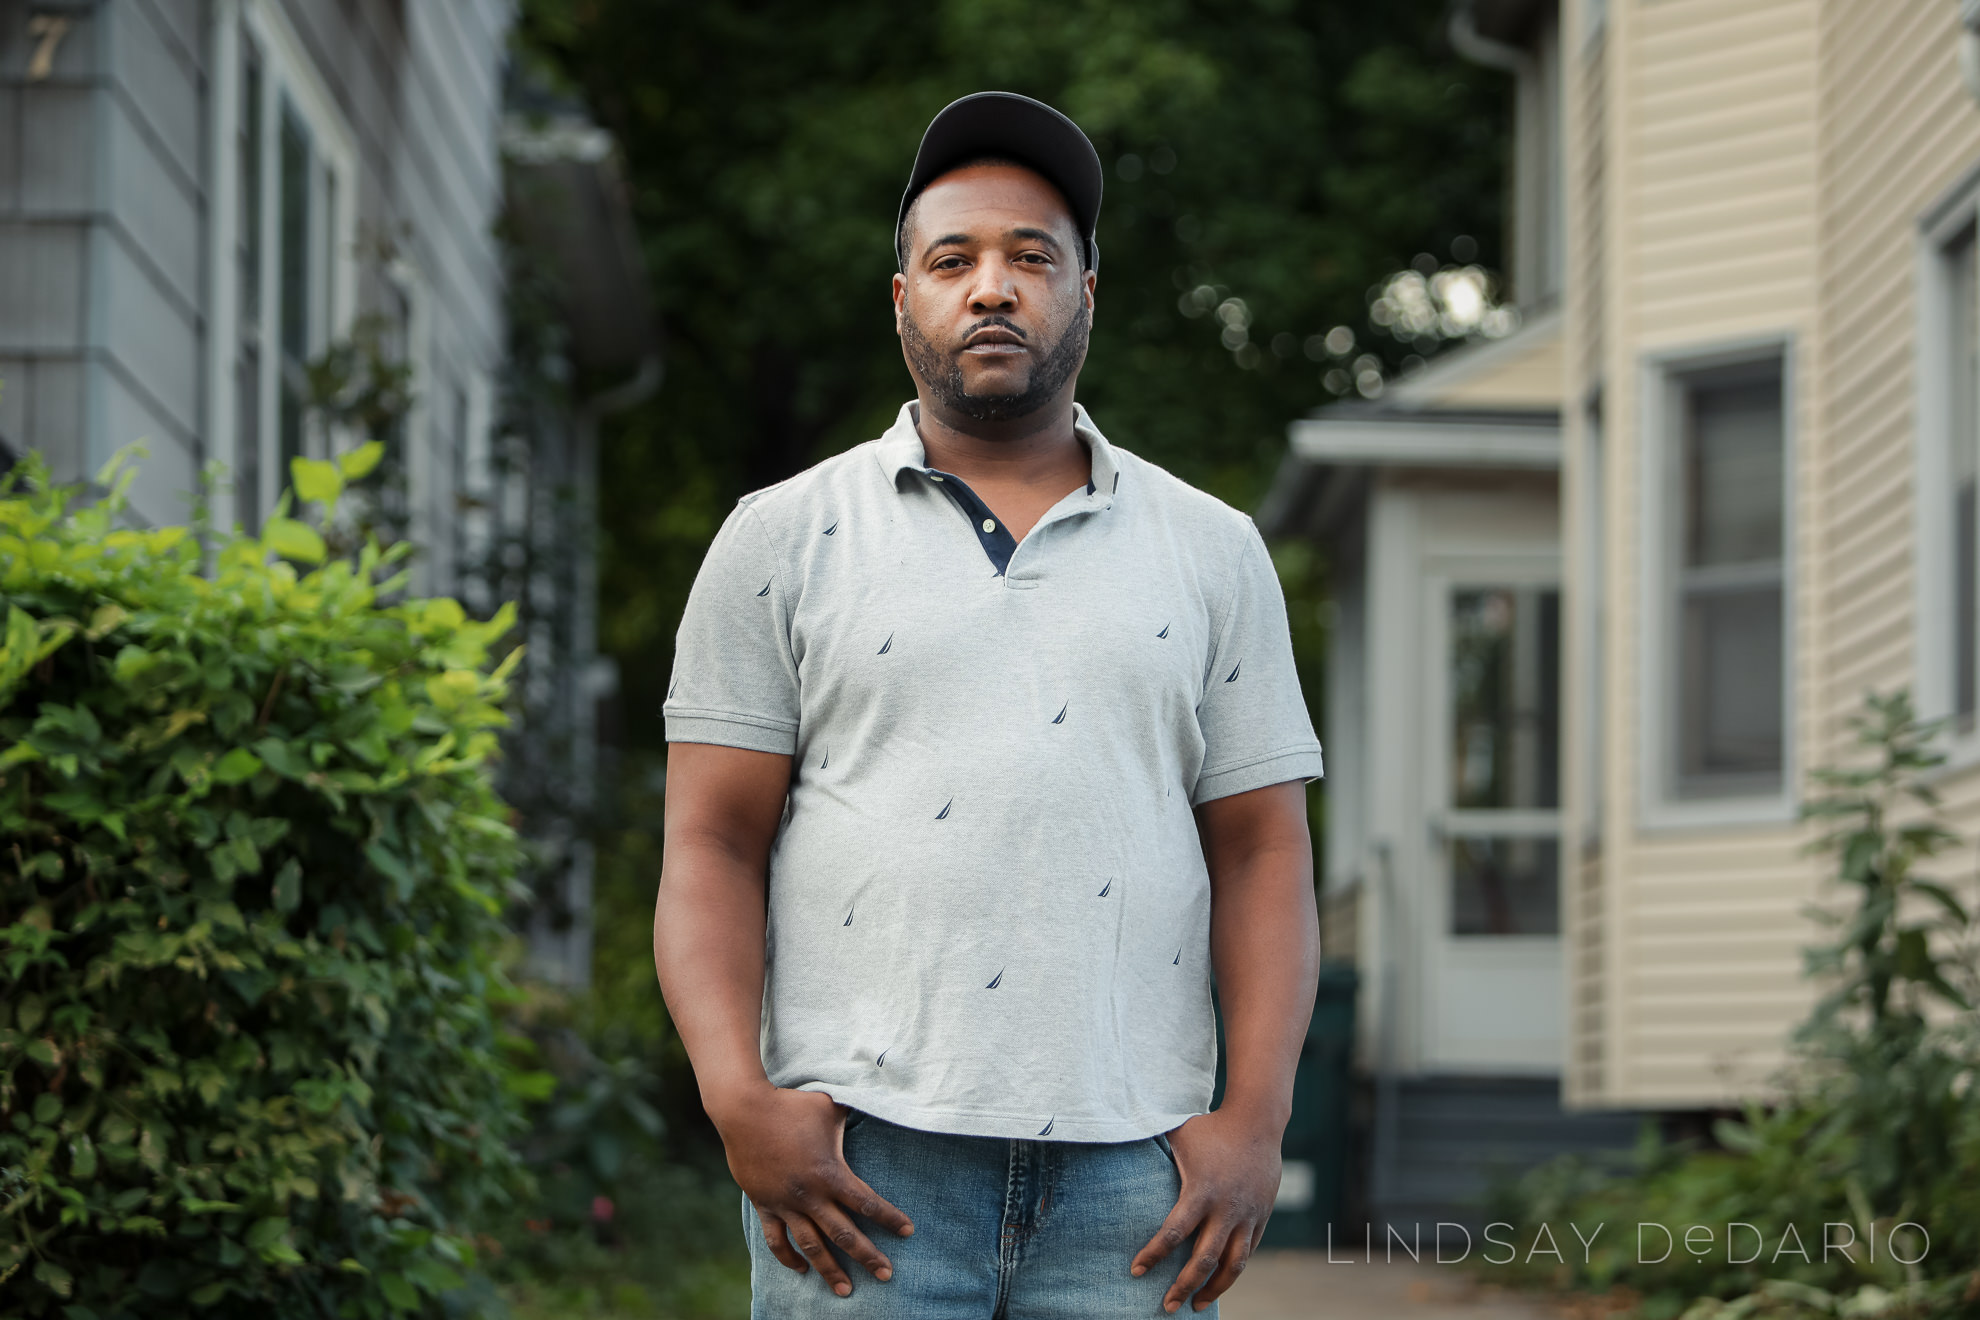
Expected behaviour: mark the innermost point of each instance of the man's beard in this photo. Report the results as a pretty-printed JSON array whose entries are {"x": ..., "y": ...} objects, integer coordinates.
[{"x": 942, "y": 372}]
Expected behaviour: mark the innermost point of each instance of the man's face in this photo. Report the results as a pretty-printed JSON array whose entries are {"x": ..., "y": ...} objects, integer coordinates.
[{"x": 992, "y": 306}]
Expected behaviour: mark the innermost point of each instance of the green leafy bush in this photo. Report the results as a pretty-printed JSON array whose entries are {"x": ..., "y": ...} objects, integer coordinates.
[
  {"x": 635, "y": 1213},
  {"x": 1876, "y": 1134},
  {"x": 621, "y": 1226},
  {"x": 252, "y": 877}
]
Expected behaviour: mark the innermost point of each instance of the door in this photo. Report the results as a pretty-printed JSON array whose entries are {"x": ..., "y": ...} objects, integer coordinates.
[{"x": 1492, "y": 967}]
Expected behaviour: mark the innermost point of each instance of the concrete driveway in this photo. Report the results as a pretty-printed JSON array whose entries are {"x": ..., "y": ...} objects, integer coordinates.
[{"x": 1301, "y": 1285}]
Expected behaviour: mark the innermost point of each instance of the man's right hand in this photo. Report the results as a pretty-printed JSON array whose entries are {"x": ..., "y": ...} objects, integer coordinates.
[{"x": 786, "y": 1151}]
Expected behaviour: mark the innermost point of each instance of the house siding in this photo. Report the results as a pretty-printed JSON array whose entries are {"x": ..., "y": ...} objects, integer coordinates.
[
  {"x": 419, "y": 87},
  {"x": 101, "y": 211},
  {"x": 1529, "y": 380},
  {"x": 1764, "y": 168},
  {"x": 1583, "y": 893},
  {"x": 47, "y": 201},
  {"x": 1699, "y": 228},
  {"x": 1899, "y": 132},
  {"x": 105, "y": 236}
]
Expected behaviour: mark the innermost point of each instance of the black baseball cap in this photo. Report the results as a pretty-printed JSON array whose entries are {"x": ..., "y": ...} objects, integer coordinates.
[{"x": 1006, "y": 124}]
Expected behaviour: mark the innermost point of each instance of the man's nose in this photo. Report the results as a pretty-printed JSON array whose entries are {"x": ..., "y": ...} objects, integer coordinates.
[{"x": 993, "y": 289}]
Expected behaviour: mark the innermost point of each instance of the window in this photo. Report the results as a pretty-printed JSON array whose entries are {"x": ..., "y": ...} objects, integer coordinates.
[
  {"x": 1720, "y": 628},
  {"x": 283, "y": 279},
  {"x": 1947, "y": 489},
  {"x": 1505, "y": 773}
]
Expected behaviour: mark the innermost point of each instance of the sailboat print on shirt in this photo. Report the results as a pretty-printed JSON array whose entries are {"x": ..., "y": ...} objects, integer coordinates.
[
  {"x": 1060, "y": 718},
  {"x": 1110, "y": 885},
  {"x": 1048, "y": 1125},
  {"x": 995, "y": 979},
  {"x": 943, "y": 814},
  {"x": 881, "y": 1062},
  {"x": 886, "y": 646},
  {"x": 766, "y": 588}
]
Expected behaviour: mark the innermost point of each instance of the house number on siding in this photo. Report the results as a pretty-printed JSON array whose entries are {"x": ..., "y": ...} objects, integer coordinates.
[{"x": 50, "y": 29}]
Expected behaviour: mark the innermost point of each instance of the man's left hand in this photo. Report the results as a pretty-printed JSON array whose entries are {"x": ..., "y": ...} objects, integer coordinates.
[{"x": 1230, "y": 1178}]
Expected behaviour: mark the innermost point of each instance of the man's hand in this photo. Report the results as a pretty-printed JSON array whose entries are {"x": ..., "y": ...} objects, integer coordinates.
[
  {"x": 786, "y": 1148},
  {"x": 1230, "y": 1179},
  {"x": 787, "y": 1152},
  {"x": 1264, "y": 944}
]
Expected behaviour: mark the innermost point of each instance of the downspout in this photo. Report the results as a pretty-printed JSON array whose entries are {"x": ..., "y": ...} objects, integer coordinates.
[
  {"x": 1478, "y": 48},
  {"x": 1528, "y": 202}
]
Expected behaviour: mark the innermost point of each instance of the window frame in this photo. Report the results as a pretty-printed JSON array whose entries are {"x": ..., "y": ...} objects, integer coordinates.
[
  {"x": 1586, "y": 631},
  {"x": 288, "y": 78},
  {"x": 1664, "y": 378},
  {"x": 413, "y": 326},
  {"x": 1935, "y": 532}
]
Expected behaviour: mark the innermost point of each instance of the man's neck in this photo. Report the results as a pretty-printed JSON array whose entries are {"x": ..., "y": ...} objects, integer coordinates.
[{"x": 1037, "y": 450}]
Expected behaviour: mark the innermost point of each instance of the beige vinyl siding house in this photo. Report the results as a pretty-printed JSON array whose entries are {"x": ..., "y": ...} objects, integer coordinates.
[
  {"x": 1775, "y": 178},
  {"x": 1758, "y": 379},
  {"x": 1708, "y": 204}
]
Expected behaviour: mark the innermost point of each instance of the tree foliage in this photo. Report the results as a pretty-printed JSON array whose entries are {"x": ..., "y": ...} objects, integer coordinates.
[
  {"x": 251, "y": 883},
  {"x": 1287, "y": 156}
]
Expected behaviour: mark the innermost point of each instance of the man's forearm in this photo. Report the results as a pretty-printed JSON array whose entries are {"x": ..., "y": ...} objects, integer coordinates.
[
  {"x": 708, "y": 935},
  {"x": 1265, "y": 947}
]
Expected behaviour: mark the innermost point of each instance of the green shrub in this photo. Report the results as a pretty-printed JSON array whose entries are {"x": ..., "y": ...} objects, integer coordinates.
[
  {"x": 615, "y": 1176},
  {"x": 1877, "y": 1129},
  {"x": 252, "y": 877}
]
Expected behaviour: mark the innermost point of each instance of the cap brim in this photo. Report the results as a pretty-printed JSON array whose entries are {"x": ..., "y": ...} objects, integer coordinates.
[{"x": 1007, "y": 124}]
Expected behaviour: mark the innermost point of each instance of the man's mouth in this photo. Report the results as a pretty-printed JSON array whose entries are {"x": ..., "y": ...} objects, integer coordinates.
[{"x": 993, "y": 341}]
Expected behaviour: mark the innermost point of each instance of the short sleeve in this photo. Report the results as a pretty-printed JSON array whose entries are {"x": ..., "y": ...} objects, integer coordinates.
[
  {"x": 735, "y": 681},
  {"x": 1256, "y": 730}
]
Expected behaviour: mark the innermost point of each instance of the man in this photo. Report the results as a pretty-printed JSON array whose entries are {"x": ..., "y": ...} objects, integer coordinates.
[{"x": 988, "y": 749}]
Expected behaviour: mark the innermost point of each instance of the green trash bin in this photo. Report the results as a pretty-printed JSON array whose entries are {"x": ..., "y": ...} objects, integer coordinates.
[{"x": 1316, "y": 1142}]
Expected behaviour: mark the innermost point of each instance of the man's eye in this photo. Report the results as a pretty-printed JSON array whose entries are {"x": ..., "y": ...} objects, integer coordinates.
[{"x": 948, "y": 263}]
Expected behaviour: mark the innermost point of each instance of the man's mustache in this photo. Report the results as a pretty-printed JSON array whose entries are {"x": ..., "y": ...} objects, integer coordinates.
[{"x": 1003, "y": 321}]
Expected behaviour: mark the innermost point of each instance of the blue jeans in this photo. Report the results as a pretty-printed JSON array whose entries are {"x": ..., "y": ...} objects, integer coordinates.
[{"x": 1003, "y": 1230}]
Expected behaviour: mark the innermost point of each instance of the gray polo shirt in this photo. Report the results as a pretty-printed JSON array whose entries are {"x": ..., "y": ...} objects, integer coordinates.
[{"x": 988, "y": 907}]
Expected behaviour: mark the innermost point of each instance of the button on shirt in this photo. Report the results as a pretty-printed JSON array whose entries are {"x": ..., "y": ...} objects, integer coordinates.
[{"x": 989, "y": 912}]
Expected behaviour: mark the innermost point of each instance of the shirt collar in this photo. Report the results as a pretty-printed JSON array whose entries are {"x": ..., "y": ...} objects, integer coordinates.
[{"x": 900, "y": 448}]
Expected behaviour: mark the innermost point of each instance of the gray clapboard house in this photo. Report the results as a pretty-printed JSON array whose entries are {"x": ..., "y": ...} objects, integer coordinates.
[{"x": 199, "y": 197}]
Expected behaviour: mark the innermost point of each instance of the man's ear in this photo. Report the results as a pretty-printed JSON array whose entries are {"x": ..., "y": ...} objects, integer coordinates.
[
  {"x": 1089, "y": 279},
  {"x": 900, "y": 300}
]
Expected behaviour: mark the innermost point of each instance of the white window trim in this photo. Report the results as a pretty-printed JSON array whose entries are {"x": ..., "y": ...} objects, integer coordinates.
[
  {"x": 1659, "y": 379},
  {"x": 417, "y": 454},
  {"x": 289, "y": 71},
  {"x": 1586, "y": 602},
  {"x": 477, "y": 533},
  {"x": 1594, "y": 23},
  {"x": 222, "y": 284},
  {"x": 1933, "y": 680}
]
